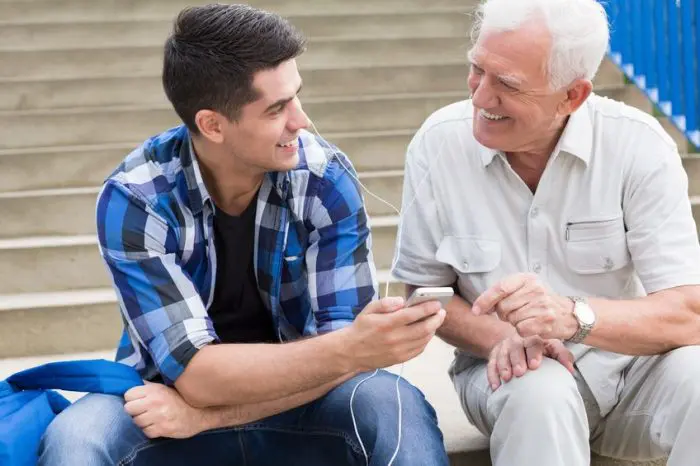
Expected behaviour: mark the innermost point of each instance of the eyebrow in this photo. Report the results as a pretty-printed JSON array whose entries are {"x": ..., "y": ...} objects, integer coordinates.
[
  {"x": 508, "y": 78},
  {"x": 279, "y": 104}
]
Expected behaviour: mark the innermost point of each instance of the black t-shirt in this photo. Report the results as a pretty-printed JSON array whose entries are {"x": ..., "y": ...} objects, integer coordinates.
[{"x": 238, "y": 313}]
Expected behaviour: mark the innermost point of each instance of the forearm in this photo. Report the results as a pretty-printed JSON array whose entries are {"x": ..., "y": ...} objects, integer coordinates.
[
  {"x": 227, "y": 416},
  {"x": 474, "y": 334},
  {"x": 246, "y": 374},
  {"x": 651, "y": 325}
]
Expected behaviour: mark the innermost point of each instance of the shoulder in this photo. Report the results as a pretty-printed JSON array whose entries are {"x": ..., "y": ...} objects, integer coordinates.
[
  {"x": 629, "y": 132},
  {"x": 448, "y": 127},
  {"x": 322, "y": 166},
  {"x": 152, "y": 169}
]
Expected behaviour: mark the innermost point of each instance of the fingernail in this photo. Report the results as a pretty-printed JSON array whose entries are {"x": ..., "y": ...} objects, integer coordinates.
[
  {"x": 518, "y": 368},
  {"x": 476, "y": 310},
  {"x": 494, "y": 386},
  {"x": 393, "y": 301},
  {"x": 533, "y": 361}
]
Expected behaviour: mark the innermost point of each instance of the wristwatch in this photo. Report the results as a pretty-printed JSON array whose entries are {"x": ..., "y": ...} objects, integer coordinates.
[{"x": 585, "y": 317}]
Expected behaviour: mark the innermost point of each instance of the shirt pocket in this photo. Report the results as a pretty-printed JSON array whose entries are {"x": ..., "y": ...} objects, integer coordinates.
[
  {"x": 596, "y": 246},
  {"x": 469, "y": 254}
]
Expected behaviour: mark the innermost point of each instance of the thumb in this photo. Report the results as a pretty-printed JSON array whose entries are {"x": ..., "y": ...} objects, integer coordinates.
[
  {"x": 561, "y": 353},
  {"x": 388, "y": 304}
]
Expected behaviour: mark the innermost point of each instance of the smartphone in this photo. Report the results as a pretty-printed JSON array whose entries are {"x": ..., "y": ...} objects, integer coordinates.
[{"x": 420, "y": 295}]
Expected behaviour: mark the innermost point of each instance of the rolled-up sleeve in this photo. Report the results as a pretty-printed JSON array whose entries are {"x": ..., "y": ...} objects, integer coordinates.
[
  {"x": 158, "y": 300},
  {"x": 340, "y": 267},
  {"x": 661, "y": 232}
]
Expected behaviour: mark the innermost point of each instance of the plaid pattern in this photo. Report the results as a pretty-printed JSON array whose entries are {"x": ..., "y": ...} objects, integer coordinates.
[{"x": 155, "y": 218}]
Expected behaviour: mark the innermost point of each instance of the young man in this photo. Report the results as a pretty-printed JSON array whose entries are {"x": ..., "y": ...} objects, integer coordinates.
[{"x": 240, "y": 252}]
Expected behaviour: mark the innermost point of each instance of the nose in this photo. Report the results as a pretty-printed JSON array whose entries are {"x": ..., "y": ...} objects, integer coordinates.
[
  {"x": 483, "y": 95},
  {"x": 297, "y": 117}
]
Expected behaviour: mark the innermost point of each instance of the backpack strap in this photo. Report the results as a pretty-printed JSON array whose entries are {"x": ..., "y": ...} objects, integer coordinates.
[{"x": 92, "y": 376}]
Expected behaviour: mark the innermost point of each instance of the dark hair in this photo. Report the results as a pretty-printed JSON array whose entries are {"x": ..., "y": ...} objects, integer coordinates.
[{"x": 214, "y": 52}]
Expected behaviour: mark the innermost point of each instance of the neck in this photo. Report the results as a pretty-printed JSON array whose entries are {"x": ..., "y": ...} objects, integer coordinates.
[
  {"x": 231, "y": 184},
  {"x": 530, "y": 164}
]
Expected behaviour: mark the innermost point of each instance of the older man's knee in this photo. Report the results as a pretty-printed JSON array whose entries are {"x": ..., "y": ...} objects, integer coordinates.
[{"x": 550, "y": 390}]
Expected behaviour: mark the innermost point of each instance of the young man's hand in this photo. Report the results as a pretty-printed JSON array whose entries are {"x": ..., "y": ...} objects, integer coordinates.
[
  {"x": 385, "y": 333},
  {"x": 160, "y": 411}
]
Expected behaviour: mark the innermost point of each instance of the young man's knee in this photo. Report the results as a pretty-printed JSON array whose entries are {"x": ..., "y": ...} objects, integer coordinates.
[{"x": 94, "y": 427}]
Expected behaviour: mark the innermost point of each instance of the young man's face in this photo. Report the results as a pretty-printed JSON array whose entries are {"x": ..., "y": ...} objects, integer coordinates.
[{"x": 264, "y": 137}]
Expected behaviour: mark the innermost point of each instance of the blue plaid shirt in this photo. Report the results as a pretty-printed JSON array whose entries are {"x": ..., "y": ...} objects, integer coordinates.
[{"x": 312, "y": 250}]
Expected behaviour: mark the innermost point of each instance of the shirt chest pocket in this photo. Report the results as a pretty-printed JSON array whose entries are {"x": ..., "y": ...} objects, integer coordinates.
[
  {"x": 596, "y": 246},
  {"x": 469, "y": 255}
]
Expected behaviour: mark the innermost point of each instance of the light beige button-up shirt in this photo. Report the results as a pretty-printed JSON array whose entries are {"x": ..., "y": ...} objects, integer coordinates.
[{"x": 610, "y": 218}]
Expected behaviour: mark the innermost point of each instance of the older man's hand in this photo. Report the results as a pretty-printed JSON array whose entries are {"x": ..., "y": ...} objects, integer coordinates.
[
  {"x": 530, "y": 307},
  {"x": 515, "y": 355},
  {"x": 160, "y": 411}
]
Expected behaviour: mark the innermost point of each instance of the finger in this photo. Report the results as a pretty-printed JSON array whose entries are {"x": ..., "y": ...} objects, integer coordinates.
[
  {"x": 531, "y": 310},
  {"x": 413, "y": 314},
  {"x": 492, "y": 374},
  {"x": 503, "y": 362},
  {"x": 136, "y": 407},
  {"x": 534, "y": 352},
  {"x": 518, "y": 363},
  {"x": 487, "y": 300},
  {"x": 152, "y": 432},
  {"x": 517, "y": 300},
  {"x": 424, "y": 328},
  {"x": 388, "y": 304},
  {"x": 556, "y": 350},
  {"x": 135, "y": 393},
  {"x": 144, "y": 420}
]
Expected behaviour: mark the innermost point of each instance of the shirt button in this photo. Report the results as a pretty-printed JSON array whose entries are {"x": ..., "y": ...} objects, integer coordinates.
[
  {"x": 534, "y": 212},
  {"x": 537, "y": 267},
  {"x": 466, "y": 265},
  {"x": 609, "y": 264}
]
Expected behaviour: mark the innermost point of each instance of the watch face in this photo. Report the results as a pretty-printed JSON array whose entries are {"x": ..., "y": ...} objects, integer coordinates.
[{"x": 585, "y": 313}]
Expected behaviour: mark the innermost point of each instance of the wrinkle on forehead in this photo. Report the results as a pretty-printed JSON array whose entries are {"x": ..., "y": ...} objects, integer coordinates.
[{"x": 521, "y": 54}]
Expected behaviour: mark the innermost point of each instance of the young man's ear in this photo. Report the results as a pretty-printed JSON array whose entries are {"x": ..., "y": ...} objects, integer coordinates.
[
  {"x": 210, "y": 125},
  {"x": 576, "y": 95}
]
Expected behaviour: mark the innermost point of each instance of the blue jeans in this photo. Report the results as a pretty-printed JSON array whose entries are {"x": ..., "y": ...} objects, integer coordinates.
[{"x": 96, "y": 431}]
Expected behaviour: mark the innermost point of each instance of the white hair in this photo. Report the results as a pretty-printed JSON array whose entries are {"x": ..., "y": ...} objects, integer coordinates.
[{"x": 579, "y": 31}]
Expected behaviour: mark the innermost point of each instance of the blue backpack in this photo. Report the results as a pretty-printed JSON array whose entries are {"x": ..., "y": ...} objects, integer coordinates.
[{"x": 28, "y": 404}]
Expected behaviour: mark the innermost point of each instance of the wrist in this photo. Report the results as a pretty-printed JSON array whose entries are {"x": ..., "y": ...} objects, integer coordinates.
[
  {"x": 341, "y": 346},
  {"x": 569, "y": 322}
]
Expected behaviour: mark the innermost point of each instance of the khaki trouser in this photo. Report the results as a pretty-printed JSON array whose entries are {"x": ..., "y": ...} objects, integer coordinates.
[{"x": 549, "y": 418}]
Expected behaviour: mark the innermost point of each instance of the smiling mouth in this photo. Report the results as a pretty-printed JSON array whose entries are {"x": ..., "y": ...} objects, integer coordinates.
[
  {"x": 491, "y": 116},
  {"x": 288, "y": 145}
]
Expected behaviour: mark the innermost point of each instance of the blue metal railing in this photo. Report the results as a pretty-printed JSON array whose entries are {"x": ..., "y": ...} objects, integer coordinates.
[{"x": 656, "y": 45}]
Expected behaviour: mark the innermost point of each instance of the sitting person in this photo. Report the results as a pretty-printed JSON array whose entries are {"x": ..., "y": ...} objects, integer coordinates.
[
  {"x": 239, "y": 248},
  {"x": 566, "y": 215}
]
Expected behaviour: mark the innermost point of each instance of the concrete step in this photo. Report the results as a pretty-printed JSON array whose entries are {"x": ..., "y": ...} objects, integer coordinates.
[
  {"x": 145, "y": 60},
  {"x": 88, "y": 165},
  {"x": 79, "y": 126},
  {"x": 21, "y": 209},
  {"x": 100, "y": 92},
  {"x": 148, "y": 90},
  {"x": 60, "y": 36},
  {"x": 62, "y": 263},
  {"x": 76, "y": 11},
  {"x": 77, "y": 320}
]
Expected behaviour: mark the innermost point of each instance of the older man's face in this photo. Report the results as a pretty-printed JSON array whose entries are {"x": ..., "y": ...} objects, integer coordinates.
[{"x": 515, "y": 110}]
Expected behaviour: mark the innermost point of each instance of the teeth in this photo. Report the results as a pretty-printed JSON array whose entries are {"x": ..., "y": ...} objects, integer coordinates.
[
  {"x": 490, "y": 116},
  {"x": 288, "y": 144}
]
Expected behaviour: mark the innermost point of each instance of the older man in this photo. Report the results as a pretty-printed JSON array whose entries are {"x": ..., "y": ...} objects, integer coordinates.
[{"x": 565, "y": 215}]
